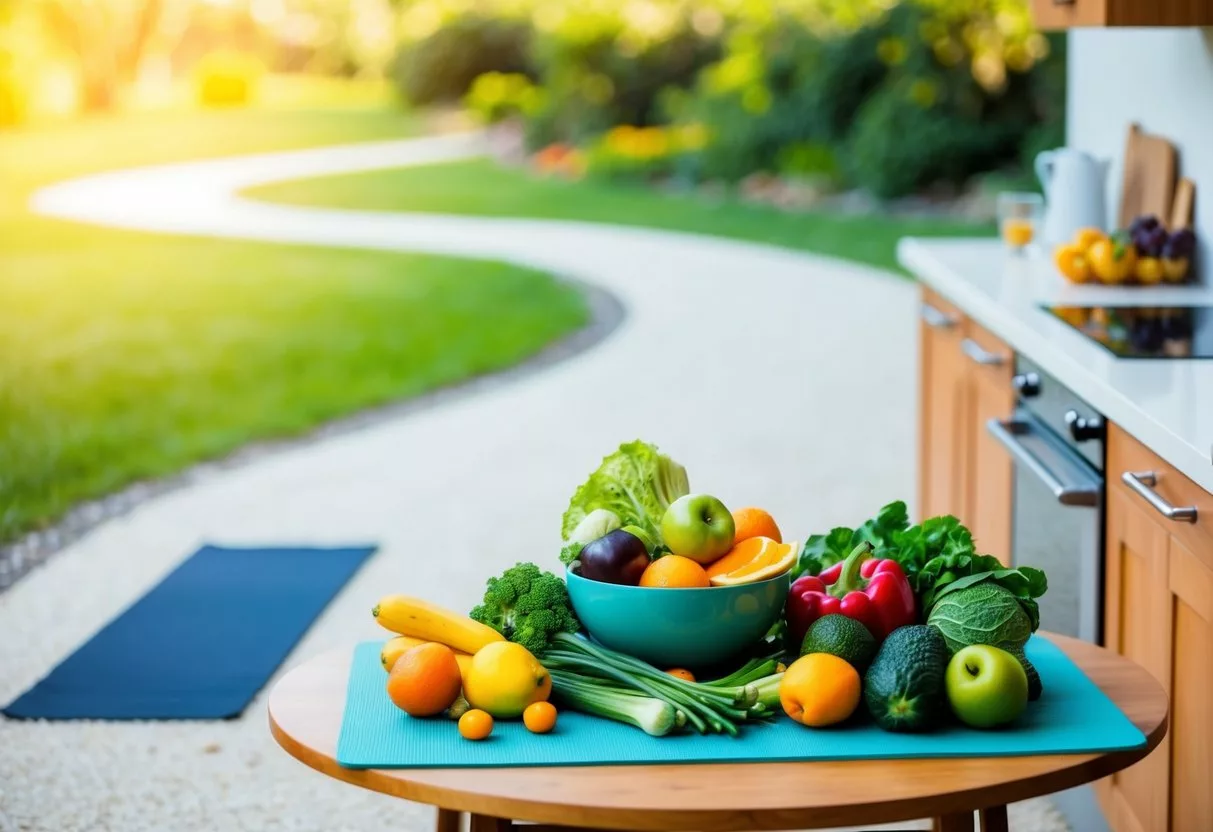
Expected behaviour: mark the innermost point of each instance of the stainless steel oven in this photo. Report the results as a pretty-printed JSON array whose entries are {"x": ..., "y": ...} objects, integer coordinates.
[{"x": 1057, "y": 442}]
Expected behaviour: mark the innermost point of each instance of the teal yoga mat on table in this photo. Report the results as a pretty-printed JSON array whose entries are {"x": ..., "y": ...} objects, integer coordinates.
[{"x": 1073, "y": 716}]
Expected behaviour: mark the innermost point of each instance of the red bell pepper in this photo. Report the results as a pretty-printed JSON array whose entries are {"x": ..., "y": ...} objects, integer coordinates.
[{"x": 874, "y": 592}]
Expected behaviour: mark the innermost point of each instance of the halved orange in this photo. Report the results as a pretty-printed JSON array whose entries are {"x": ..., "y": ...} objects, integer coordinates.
[{"x": 753, "y": 559}]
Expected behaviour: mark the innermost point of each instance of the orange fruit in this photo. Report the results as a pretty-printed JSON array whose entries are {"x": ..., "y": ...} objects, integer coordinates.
[
  {"x": 755, "y": 559},
  {"x": 754, "y": 522},
  {"x": 681, "y": 673},
  {"x": 425, "y": 680},
  {"x": 539, "y": 717},
  {"x": 475, "y": 724},
  {"x": 819, "y": 690},
  {"x": 674, "y": 572},
  {"x": 1084, "y": 238}
]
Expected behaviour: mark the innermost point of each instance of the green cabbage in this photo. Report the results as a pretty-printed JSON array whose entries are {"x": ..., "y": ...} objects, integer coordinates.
[
  {"x": 636, "y": 484},
  {"x": 986, "y": 613}
]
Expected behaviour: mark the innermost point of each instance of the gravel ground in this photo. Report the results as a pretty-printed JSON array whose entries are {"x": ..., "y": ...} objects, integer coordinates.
[{"x": 778, "y": 379}]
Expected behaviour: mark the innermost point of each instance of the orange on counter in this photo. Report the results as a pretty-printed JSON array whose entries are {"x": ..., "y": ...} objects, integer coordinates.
[
  {"x": 755, "y": 559},
  {"x": 819, "y": 690},
  {"x": 754, "y": 522},
  {"x": 674, "y": 572},
  {"x": 425, "y": 680}
]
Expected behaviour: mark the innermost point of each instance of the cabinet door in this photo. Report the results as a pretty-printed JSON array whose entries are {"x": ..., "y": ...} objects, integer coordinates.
[
  {"x": 1063, "y": 14},
  {"x": 1191, "y": 734},
  {"x": 988, "y": 484},
  {"x": 941, "y": 434},
  {"x": 1136, "y": 626}
]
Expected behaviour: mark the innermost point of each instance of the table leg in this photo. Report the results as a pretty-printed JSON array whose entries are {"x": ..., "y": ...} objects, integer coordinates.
[
  {"x": 484, "y": 823},
  {"x": 958, "y": 822},
  {"x": 994, "y": 819},
  {"x": 448, "y": 820}
]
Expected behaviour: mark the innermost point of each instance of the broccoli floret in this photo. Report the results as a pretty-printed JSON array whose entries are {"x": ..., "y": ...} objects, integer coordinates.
[{"x": 527, "y": 606}]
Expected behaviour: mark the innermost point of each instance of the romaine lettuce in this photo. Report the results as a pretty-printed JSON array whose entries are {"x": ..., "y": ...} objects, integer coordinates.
[{"x": 636, "y": 484}]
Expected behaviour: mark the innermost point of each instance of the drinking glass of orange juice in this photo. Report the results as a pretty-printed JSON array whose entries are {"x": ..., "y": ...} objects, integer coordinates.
[{"x": 1018, "y": 216}]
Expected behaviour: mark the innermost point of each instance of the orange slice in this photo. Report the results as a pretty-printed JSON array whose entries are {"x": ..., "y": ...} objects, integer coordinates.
[{"x": 753, "y": 559}]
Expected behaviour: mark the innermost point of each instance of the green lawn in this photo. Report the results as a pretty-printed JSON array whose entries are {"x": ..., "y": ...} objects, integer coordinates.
[
  {"x": 484, "y": 188},
  {"x": 125, "y": 356}
]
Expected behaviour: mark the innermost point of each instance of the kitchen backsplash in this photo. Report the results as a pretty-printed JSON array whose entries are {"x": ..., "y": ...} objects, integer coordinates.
[{"x": 1163, "y": 80}]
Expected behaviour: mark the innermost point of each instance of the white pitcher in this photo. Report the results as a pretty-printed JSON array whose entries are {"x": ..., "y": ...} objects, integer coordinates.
[{"x": 1074, "y": 183}]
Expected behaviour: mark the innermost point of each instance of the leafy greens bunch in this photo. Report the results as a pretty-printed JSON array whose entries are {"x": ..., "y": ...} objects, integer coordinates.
[
  {"x": 938, "y": 556},
  {"x": 630, "y": 490}
]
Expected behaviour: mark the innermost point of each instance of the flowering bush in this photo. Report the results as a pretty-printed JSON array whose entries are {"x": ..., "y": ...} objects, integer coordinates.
[{"x": 886, "y": 95}]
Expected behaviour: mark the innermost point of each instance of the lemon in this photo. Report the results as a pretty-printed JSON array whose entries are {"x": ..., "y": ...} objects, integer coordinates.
[{"x": 504, "y": 678}]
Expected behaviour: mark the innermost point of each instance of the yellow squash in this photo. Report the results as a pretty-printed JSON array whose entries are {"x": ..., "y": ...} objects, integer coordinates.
[{"x": 429, "y": 622}]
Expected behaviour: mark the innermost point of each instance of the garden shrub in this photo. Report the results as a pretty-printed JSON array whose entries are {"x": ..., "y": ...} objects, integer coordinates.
[
  {"x": 599, "y": 67},
  {"x": 497, "y": 96},
  {"x": 441, "y": 66}
]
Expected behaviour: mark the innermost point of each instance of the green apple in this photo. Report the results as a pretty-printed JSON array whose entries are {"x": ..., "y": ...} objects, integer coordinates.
[
  {"x": 699, "y": 527},
  {"x": 987, "y": 686}
]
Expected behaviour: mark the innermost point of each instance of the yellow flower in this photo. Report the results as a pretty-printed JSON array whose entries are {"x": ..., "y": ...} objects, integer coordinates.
[{"x": 892, "y": 51}]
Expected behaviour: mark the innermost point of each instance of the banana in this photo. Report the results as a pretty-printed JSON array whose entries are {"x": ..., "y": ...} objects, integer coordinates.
[
  {"x": 430, "y": 622},
  {"x": 394, "y": 648}
]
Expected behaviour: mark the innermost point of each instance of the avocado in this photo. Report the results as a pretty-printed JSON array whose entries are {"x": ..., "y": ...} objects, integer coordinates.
[
  {"x": 843, "y": 637},
  {"x": 904, "y": 689}
]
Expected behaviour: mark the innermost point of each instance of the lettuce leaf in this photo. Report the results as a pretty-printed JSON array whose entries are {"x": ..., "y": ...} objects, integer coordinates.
[{"x": 636, "y": 483}]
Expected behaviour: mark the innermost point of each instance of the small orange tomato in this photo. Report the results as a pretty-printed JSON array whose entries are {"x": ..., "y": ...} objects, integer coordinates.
[
  {"x": 1087, "y": 237},
  {"x": 539, "y": 717},
  {"x": 475, "y": 724},
  {"x": 681, "y": 673},
  {"x": 1072, "y": 262}
]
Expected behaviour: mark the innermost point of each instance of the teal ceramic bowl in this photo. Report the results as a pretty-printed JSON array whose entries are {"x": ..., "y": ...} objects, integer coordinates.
[{"x": 678, "y": 627}]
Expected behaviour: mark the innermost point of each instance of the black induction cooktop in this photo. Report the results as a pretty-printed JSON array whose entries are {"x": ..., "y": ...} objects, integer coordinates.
[{"x": 1144, "y": 331}]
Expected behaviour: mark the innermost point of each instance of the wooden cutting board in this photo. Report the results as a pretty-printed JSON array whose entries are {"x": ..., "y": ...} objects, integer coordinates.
[
  {"x": 1149, "y": 177},
  {"x": 1185, "y": 199}
]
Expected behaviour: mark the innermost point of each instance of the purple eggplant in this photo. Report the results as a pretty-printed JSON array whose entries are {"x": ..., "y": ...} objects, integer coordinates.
[{"x": 617, "y": 557}]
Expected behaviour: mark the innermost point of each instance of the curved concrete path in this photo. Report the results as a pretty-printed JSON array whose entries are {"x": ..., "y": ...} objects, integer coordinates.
[{"x": 778, "y": 379}]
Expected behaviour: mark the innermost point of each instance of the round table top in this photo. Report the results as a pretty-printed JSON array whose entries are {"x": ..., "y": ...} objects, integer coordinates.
[{"x": 306, "y": 707}]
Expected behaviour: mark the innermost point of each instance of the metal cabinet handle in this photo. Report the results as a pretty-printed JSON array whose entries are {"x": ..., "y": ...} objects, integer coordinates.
[
  {"x": 979, "y": 355},
  {"x": 936, "y": 319},
  {"x": 1008, "y": 433},
  {"x": 1143, "y": 482}
]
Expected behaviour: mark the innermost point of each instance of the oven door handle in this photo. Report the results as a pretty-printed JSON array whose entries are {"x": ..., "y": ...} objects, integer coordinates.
[{"x": 1080, "y": 492}]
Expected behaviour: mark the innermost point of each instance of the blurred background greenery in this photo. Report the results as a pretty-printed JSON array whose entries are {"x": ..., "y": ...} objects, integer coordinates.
[
  {"x": 890, "y": 97},
  {"x": 834, "y": 126}
]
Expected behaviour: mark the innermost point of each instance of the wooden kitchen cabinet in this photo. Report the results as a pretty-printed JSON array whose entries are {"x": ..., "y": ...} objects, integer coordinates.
[
  {"x": 1064, "y": 14},
  {"x": 989, "y": 478},
  {"x": 1159, "y": 612},
  {"x": 966, "y": 381},
  {"x": 940, "y": 408}
]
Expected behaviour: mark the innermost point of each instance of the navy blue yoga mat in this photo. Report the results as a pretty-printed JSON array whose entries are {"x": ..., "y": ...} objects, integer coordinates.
[{"x": 202, "y": 642}]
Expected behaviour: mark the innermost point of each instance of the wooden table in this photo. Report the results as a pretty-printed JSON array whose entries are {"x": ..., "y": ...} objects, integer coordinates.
[{"x": 305, "y": 710}]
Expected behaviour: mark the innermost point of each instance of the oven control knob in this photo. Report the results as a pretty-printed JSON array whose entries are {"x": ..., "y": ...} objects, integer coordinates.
[
  {"x": 1026, "y": 385},
  {"x": 1084, "y": 428}
]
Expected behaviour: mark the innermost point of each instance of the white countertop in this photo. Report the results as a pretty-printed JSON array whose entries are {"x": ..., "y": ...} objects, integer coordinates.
[{"x": 1167, "y": 403}]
